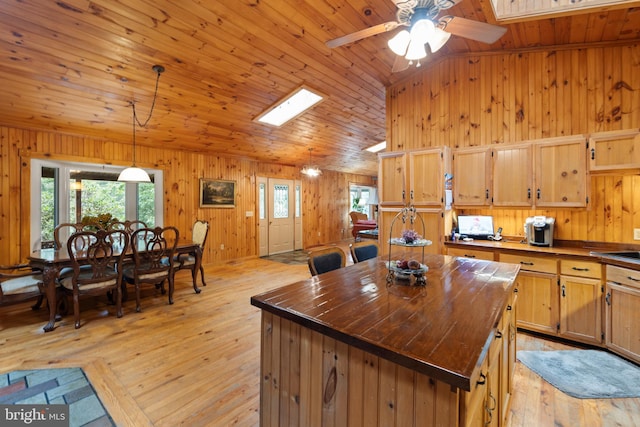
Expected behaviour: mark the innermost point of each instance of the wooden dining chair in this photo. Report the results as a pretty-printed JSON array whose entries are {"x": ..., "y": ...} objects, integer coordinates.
[
  {"x": 324, "y": 260},
  {"x": 362, "y": 251},
  {"x": 97, "y": 267},
  {"x": 20, "y": 283},
  {"x": 63, "y": 231},
  {"x": 188, "y": 261},
  {"x": 153, "y": 252}
]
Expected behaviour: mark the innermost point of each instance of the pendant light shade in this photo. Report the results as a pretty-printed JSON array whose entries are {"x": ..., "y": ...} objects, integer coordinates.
[{"x": 134, "y": 173}]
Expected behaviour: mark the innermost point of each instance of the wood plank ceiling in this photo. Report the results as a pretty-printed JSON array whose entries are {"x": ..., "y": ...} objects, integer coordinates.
[{"x": 74, "y": 66}]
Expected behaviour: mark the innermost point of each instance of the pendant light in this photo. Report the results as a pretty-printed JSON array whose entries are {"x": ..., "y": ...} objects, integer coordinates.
[
  {"x": 134, "y": 173},
  {"x": 310, "y": 169}
]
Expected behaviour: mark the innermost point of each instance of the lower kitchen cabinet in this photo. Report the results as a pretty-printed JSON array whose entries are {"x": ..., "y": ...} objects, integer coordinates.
[
  {"x": 581, "y": 309},
  {"x": 539, "y": 306},
  {"x": 623, "y": 312},
  {"x": 488, "y": 402}
]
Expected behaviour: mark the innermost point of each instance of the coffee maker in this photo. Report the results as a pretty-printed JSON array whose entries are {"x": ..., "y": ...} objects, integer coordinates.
[{"x": 539, "y": 230}]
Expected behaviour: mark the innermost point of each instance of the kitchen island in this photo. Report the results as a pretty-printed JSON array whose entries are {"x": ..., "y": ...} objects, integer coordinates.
[{"x": 348, "y": 348}]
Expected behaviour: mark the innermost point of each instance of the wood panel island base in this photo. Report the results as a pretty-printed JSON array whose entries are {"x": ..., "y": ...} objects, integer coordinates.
[{"x": 348, "y": 349}]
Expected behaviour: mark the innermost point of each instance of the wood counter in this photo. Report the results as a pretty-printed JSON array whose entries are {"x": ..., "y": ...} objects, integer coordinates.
[{"x": 323, "y": 333}]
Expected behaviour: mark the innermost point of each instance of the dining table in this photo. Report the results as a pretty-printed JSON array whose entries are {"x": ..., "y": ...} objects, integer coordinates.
[{"x": 51, "y": 261}]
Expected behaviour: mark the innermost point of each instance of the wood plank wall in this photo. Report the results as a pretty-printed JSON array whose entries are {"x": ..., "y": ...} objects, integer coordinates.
[
  {"x": 512, "y": 97},
  {"x": 325, "y": 199}
]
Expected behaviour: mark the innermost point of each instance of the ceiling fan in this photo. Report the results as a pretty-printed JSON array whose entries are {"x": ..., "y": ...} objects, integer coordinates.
[{"x": 425, "y": 28}]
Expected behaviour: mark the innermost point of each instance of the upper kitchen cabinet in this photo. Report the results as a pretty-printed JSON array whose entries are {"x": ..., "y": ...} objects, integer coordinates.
[
  {"x": 614, "y": 151},
  {"x": 512, "y": 176},
  {"x": 414, "y": 177},
  {"x": 561, "y": 172},
  {"x": 472, "y": 176},
  {"x": 426, "y": 178},
  {"x": 392, "y": 178}
]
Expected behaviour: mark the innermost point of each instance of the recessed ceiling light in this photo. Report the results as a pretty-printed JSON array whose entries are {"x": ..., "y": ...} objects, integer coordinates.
[
  {"x": 289, "y": 107},
  {"x": 378, "y": 147}
]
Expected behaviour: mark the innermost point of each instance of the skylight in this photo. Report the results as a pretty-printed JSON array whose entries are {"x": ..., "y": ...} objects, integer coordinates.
[
  {"x": 508, "y": 10},
  {"x": 378, "y": 147},
  {"x": 289, "y": 107}
]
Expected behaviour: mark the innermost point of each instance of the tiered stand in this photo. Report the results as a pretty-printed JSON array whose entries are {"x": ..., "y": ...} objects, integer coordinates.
[{"x": 402, "y": 275}]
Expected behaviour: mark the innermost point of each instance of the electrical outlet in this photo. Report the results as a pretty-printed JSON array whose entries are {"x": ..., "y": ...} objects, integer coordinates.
[
  {"x": 636, "y": 234},
  {"x": 222, "y": 246},
  {"x": 318, "y": 234}
]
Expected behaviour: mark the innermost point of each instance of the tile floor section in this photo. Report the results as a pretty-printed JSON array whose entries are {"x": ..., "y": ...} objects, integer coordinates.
[
  {"x": 68, "y": 386},
  {"x": 298, "y": 257}
]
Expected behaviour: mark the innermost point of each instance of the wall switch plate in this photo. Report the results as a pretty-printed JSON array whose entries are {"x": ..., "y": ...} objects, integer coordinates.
[
  {"x": 222, "y": 246},
  {"x": 636, "y": 234}
]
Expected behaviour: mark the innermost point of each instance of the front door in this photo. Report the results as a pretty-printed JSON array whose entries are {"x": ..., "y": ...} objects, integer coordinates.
[{"x": 281, "y": 215}]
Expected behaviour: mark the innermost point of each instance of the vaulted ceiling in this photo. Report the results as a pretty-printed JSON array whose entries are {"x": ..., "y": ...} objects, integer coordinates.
[{"x": 74, "y": 66}]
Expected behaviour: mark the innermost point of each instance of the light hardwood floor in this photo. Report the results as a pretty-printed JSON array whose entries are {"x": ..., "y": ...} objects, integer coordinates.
[{"x": 196, "y": 363}]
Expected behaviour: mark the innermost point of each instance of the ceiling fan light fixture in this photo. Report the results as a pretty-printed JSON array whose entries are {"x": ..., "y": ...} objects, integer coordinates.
[
  {"x": 399, "y": 43},
  {"x": 438, "y": 39},
  {"x": 423, "y": 31},
  {"x": 416, "y": 51}
]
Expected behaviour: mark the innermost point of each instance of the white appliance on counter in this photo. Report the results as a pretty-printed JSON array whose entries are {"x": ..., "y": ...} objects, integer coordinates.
[{"x": 539, "y": 230}]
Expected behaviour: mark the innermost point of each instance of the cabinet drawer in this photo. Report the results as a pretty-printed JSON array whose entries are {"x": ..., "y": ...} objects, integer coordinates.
[
  {"x": 532, "y": 263},
  {"x": 580, "y": 268},
  {"x": 471, "y": 253},
  {"x": 623, "y": 276}
]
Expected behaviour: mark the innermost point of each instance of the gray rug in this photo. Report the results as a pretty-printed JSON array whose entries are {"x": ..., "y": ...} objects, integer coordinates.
[{"x": 585, "y": 374}]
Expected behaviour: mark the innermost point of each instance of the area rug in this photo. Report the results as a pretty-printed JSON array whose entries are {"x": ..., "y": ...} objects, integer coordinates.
[
  {"x": 66, "y": 386},
  {"x": 585, "y": 374}
]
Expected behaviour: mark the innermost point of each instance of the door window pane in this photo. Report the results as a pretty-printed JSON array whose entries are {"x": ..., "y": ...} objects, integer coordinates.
[
  {"x": 281, "y": 201},
  {"x": 262, "y": 202}
]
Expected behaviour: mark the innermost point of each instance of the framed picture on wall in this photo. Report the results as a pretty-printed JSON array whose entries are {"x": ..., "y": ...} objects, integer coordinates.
[{"x": 217, "y": 193}]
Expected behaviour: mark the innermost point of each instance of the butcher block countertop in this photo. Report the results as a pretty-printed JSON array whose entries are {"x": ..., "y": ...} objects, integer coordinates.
[{"x": 442, "y": 329}]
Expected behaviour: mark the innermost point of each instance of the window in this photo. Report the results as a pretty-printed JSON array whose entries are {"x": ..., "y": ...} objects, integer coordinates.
[
  {"x": 67, "y": 192},
  {"x": 360, "y": 198}
]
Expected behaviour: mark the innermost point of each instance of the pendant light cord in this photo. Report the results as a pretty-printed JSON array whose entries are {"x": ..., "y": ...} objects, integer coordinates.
[{"x": 159, "y": 70}]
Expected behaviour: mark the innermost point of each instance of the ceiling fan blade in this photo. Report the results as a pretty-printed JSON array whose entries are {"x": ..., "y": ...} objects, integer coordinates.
[
  {"x": 359, "y": 35},
  {"x": 474, "y": 30},
  {"x": 400, "y": 64}
]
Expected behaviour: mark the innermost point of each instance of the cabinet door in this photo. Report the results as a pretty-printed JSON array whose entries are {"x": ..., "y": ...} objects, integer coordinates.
[
  {"x": 561, "y": 172},
  {"x": 391, "y": 182},
  {"x": 538, "y": 304},
  {"x": 471, "y": 177},
  {"x": 433, "y": 229},
  {"x": 507, "y": 357},
  {"x": 614, "y": 150},
  {"x": 474, "y": 412},
  {"x": 426, "y": 177},
  {"x": 622, "y": 320},
  {"x": 512, "y": 176},
  {"x": 581, "y": 309}
]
